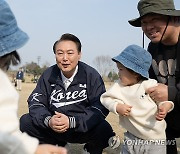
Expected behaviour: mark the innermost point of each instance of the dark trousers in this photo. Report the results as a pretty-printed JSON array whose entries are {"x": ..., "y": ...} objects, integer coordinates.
[
  {"x": 171, "y": 134},
  {"x": 96, "y": 139}
]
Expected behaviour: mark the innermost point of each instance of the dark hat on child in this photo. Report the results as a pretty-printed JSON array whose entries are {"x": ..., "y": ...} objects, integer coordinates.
[
  {"x": 163, "y": 7},
  {"x": 135, "y": 58},
  {"x": 11, "y": 36}
]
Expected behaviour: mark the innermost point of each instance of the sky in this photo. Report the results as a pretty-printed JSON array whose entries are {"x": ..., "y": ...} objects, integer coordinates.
[{"x": 101, "y": 25}]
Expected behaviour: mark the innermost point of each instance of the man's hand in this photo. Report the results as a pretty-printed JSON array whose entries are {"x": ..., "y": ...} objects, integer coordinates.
[
  {"x": 158, "y": 93},
  {"x": 59, "y": 122}
]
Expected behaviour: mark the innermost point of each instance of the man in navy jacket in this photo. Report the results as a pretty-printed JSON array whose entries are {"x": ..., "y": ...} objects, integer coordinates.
[{"x": 65, "y": 105}]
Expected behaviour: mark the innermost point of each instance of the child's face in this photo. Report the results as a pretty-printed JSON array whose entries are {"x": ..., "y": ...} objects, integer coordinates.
[{"x": 126, "y": 76}]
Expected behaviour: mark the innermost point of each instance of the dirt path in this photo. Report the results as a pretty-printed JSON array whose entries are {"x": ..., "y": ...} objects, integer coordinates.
[{"x": 75, "y": 148}]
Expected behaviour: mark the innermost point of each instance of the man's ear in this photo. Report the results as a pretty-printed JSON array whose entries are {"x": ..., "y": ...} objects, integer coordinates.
[
  {"x": 80, "y": 53},
  {"x": 176, "y": 19}
]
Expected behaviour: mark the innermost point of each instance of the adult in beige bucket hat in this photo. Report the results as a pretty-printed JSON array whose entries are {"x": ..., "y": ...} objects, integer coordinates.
[{"x": 160, "y": 22}]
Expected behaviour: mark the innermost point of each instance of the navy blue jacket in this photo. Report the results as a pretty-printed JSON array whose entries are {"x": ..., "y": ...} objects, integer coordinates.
[
  {"x": 20, "y": 75},
  {"x": 80, "y": 102}
]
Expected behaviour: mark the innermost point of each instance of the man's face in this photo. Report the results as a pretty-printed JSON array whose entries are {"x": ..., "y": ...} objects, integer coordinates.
[
  {"x": 154, "y": 25},
  {"x": 67, "y": 57}
]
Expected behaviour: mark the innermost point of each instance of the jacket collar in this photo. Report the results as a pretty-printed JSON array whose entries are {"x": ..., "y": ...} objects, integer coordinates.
[{"x": 55, "y": 74}]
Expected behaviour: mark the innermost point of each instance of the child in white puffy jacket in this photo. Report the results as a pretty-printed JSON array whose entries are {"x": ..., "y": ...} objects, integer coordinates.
[{"x": 139, "y": 114}]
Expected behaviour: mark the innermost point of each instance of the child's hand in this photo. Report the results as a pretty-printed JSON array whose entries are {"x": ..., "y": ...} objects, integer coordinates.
[
  {"x": 123, "y": 109},
  {"x": 161, "y": 114},
  {"x": 163, "y": 110}
]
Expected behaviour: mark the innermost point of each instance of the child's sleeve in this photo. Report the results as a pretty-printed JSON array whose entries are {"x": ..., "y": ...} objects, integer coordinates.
[
  {"x": 153, "y": 83},
  {"x": 161, "y": 103},
  {"x": 111, "y": 98}
]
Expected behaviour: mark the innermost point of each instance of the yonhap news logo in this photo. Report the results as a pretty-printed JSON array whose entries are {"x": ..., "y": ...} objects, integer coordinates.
[{"x": 148, "y": 142}]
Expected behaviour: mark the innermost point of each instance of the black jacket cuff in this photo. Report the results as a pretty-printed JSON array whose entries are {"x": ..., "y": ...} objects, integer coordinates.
[{"x": 72, "y": 122}]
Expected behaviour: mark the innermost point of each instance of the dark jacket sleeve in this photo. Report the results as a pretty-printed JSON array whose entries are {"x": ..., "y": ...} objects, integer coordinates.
[
  {"x": 38, "y": 104},
  {"x": 95, "y": 112},
  {"x": 178, "y": 94}
]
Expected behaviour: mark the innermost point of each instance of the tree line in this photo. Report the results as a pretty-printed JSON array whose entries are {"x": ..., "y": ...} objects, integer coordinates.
[{"x": 104, "y": 65}]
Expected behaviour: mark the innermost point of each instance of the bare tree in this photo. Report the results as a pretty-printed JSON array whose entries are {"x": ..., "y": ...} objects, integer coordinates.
[{"x": 104, "y": 65}]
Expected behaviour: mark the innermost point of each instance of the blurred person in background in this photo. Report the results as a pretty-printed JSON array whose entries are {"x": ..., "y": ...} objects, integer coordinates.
[{"x": 19, "y": 79}]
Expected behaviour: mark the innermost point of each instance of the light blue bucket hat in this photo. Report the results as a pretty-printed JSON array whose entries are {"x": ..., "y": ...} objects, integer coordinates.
[
  {"x": 11, "y": 36},
  {"x": 135, "y": 58}
]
